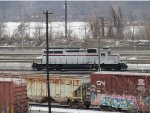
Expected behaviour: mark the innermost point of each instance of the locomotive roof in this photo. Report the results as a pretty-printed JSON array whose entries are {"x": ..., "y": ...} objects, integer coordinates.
[
  {"x": 122, "y": 73},
  {"x": 69, "y": 48},
  {"x": 75, "y": 48}
]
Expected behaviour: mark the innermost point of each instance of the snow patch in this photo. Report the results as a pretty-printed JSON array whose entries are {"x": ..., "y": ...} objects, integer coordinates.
[
  {"x": 133, "y": 58},
  {"x": 61, "y": 110}
]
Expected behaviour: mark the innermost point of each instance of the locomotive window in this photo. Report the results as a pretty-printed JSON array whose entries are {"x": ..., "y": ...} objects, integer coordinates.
[
  {"x": 83, "y": 50},
  {"x": 75, "y": 50},
  {"x": 91, "y": 50},
  {"x": 72, "y": 50},
  {"x": 53, "y": 52},
  {"x": 102, "y": 54},
  {"x": 49, "y": 52},
  {"x": 58, "y": 52}
]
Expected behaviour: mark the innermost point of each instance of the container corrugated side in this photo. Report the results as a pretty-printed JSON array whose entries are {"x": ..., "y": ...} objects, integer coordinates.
[
  {"x": 121, "y": 90},
  {"x": 13, "y": 96},
  {"x": 60, "y": 87}
]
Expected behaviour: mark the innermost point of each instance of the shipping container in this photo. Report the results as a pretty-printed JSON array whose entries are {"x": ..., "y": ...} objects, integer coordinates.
[
  {"x": 121, "y": 90},
  {"x": 13, "y": 95}
]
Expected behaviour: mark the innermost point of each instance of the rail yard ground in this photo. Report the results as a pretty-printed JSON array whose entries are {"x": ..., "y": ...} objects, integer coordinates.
[
  {"x": 13, "y": 58},
  {"x": 36, "y": 87},
  {"x": 35, "y": 109},
  {"x": 18, "y": 62},
  {"x": 28, "y": 54}
]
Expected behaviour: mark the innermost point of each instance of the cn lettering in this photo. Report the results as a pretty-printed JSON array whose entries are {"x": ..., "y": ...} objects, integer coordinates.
[{"x": 100, "y": 83}]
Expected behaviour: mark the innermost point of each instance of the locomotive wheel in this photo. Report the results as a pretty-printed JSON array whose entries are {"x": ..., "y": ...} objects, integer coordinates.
[
  {"x": 117, "y": 68},
  {"x": 124, "y": 69},
  {"x": 58, "y": 68},
  {"x": 39, "y": 68},
  {"x": 109, "y": 68}
]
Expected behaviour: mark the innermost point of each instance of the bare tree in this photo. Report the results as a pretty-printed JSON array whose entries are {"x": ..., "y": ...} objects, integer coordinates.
[
  {"x": 2, "y": 29},
  {"x": 21, "y": 32},
  {"x": 3, "y": 33},
  {"x": 110, "y": 32},
  {"x": 38, "y": 34},
  {"x": 85, "y": 40},
  {"x": 95, "y": 29},
  {"x": 71, "y": 38},
  {"x": 147, "y": 30},
  {"x": 117, "y": 21}
]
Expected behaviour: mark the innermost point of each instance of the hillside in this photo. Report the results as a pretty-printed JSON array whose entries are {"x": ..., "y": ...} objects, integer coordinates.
[{"x": 77, "y": 10}]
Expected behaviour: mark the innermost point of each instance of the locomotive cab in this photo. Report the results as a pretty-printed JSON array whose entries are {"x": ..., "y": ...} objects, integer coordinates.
[
  {"x": 109, "y": 61},
  {"x": 107, "y": 58}
]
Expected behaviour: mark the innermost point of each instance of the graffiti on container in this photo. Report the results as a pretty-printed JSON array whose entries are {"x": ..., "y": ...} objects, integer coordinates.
[
  {"x": 106, "y": 101},
  {"x": 117, "y": 102},
  {"x": 122, "y": 103}
]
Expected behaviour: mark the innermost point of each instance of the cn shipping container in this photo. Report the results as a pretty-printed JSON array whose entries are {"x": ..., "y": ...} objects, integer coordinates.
[
  {"x": 121, "y": 90},
  {"x": 13, "y": 96}
]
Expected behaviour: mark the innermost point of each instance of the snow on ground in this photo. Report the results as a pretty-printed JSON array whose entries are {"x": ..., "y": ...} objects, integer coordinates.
[
  {"x": 15, "y": 66},
  {"x": 77, "y": 28},
  {"x": 133, "y": 58},
  {"x": 139, "y": 66},
  {"x": 66, "y": 110}
]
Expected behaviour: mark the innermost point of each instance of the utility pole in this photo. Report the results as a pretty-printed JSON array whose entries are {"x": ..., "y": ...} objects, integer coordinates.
[
  {"x": 101, "y": 35},
  {"x": 102, "y": 24},
  {"x": 47, "y": 61},
  {"x": 66, "y": 32},
  {"x": 23, "y": 21}
]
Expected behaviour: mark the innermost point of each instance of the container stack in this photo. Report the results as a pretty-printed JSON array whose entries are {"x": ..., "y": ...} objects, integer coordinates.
[{"x": 13, "y": 95}]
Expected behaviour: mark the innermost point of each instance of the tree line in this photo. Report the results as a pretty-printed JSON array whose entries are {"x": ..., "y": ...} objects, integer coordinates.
[{"x": 98, "y": 30}]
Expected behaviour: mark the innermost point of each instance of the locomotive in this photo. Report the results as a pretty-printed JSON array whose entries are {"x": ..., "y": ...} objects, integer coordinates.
[{"x": 80, "y": 58}]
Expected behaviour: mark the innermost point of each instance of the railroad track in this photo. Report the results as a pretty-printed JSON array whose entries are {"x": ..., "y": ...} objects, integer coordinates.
[
  {"x": 17, "y": 61},
  {"x": 57, "y": 105},
  {"x": 30, "y": 72},
  {"x": 138, "y": 61},
  {"x": 30, "y": 54}
]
